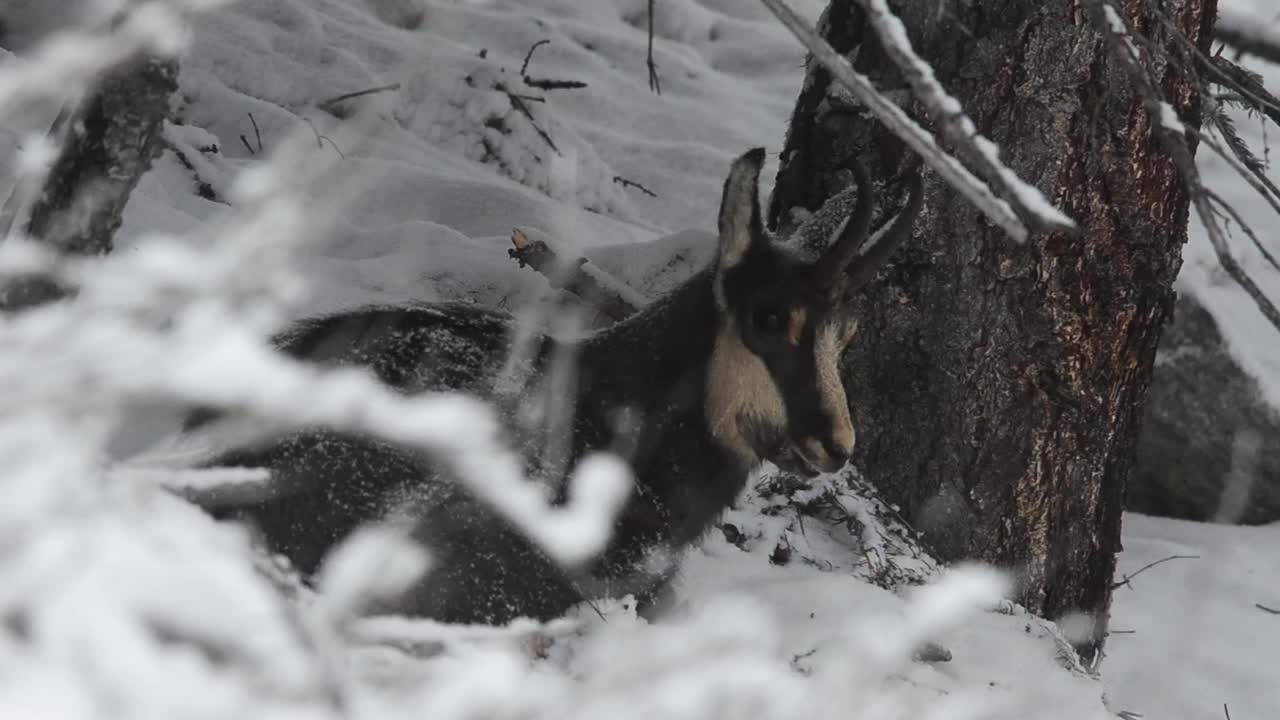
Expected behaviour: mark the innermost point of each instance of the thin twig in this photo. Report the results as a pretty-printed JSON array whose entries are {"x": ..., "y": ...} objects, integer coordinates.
[
  {"x": 549, "y": 84},
  {"x": 1264, "y": 608},
  {"x": 529, "y": 55},
  {"x": 322, "y": 139},
  {"x": 331, "y": 104},
  {"x": 257, "y": 133},
  {"x": 654, "y": 84},
  {"x": 1248, "y": 230},
  {"x": 1150, "y": 565},
  {"x": 545, "y": 83},
  {"x": 1226, "y": 711},
  {"x": 633, "y": 184},
  {"x": 900, "y": 124},
  {"x": 517, "y": 102}
]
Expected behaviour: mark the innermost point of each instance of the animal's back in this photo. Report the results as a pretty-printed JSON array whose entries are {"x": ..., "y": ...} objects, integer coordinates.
[{"x": 325, "y": 484}]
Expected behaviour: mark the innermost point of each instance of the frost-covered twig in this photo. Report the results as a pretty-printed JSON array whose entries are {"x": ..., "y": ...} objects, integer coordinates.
[
  {"x": 899, "y": 123},
  {"x": 573, "y": 276},
  {"x": 957, "y": 128},
  {"x": 1172, "y": 136},
  {"x": 1248, "y": 32}
]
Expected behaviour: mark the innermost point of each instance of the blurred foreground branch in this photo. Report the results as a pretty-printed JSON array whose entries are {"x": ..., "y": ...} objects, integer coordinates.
[{"x": 111, "y": 141}]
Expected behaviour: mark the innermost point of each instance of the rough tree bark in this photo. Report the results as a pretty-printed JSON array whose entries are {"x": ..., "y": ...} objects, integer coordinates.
[
  {"x": 998, "y": 388},
  {"x": 111, "y": 141}
]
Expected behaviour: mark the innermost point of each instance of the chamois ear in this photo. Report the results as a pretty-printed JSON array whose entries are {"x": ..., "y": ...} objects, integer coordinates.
[{"x": 740, "y": 223}]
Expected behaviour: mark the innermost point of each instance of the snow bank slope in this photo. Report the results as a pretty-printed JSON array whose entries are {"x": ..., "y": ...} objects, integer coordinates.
[{"x": 1187, "y": 635}]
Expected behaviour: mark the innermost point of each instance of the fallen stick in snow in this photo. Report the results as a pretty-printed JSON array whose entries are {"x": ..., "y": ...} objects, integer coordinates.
[
  {"x": 331, "y": 105},
  {"x": 571, "y": 275},
  {"x": 633, "y": 184},
  {"x": 518, "y": 104},
  {"x": 544, "y": 83}
]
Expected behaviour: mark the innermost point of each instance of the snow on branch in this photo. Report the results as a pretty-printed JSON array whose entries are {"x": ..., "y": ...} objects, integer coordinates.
[
  {"x": 957, "y": 128},
  {"x": 897, "y": 121},
  {"x": 596, "y": 287},
  {"x": 1249, "y": 33},
  {"x": 1116, "y": 33}
]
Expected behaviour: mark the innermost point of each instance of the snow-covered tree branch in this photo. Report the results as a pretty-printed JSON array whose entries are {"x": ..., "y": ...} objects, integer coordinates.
[{"x": 959, "y": 130}]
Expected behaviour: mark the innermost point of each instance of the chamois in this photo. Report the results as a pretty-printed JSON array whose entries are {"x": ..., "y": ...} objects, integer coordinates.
[{"x": 737, "y": 366}]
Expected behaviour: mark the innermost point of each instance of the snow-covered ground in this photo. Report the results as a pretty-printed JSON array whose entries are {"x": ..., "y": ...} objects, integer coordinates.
[{"x": 464, "y": 149}]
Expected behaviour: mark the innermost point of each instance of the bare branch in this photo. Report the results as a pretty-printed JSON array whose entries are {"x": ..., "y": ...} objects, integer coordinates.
[
  {"x": 1257, "y": 180},
  {"x": 1150, "y": 565},
  {"x": 1248, "y": 33},
  {"x": 900, "y": 124},
  {"x": 529, "y": 55},
  {"x": 958, "y": 129},
  {"x": 1248, "y": 230},
  {"x": 1264, "y": 608},
  {"x": 518, "y": 103},
  {"x": 570, "y": 275}
]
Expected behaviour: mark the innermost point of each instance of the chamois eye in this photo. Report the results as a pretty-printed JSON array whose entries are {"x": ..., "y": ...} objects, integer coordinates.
[{"x": 767, "y": 319}]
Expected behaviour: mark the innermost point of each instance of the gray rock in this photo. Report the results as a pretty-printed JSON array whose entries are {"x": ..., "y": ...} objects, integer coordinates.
[{"x": 1206, "y": 450}]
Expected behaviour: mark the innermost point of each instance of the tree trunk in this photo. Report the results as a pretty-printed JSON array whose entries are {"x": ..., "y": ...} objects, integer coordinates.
[
  {"x": 111, "y": 141},
  {"x": 997, "y": 388}
]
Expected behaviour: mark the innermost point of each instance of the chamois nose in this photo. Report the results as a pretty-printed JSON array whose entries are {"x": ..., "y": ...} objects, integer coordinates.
[
  {"x": 824, "y": 456},
  {"x": 838, "y": 453}
]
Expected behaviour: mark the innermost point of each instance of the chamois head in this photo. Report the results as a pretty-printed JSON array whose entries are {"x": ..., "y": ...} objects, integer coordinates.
[{"x": 773, "y": 387}]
